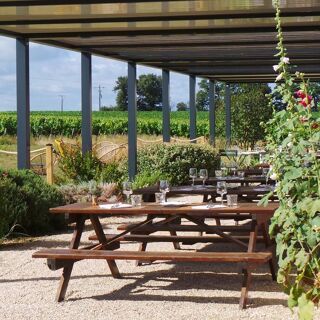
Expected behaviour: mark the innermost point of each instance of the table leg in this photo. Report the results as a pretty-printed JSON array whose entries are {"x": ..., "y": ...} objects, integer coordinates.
[
  {"x": 103, "y": 240},
  {"x": 246, "y": 271},
  {"x": 268, "y": 243},
  {"x": 66, "y": 273}
]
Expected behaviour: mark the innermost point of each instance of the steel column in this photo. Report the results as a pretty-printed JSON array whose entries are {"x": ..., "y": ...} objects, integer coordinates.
[
  {"x": 228, "y": 113},
  {"x": 132, "y": 120},
  {"x": 192, "y": 107},
  {"x": 23, "y": 103},
  {"x": 166, "y": 105},
  {"x": 212, "y": 112},
  {"x": 86, "y": 101}
]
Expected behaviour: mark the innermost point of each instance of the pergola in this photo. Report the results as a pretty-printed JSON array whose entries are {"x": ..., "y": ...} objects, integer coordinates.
[{"x": 230, "y": 40}]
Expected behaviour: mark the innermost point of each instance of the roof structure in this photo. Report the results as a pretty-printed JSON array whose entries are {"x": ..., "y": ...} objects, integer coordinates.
[{"x": 230, "y": 40}]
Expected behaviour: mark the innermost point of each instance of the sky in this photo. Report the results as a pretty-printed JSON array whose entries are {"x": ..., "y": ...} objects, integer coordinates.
[{"x": 55, "y": 72}]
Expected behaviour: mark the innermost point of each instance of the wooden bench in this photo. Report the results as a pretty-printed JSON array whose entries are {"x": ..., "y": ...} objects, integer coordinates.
[{"x": 252, "y": 260}]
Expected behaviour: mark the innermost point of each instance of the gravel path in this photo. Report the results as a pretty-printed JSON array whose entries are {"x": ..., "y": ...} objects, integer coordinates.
[{"x": 153, "y": 291}]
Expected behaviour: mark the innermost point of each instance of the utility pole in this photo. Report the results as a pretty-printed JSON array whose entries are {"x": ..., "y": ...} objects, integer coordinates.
[
  {"x": 100, "y": 95},
  {"x": 61, "y": 102}
]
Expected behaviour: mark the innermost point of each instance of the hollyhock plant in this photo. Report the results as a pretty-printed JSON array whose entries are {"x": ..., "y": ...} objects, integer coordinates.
[{"x": 293, "y": 136}]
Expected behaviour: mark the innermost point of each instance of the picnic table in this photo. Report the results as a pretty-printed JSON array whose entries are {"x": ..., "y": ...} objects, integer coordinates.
[
  {"x": 246, "y": 180},
  {"x": 163, "y": 218},
  {"x": 245, "y": 193}
]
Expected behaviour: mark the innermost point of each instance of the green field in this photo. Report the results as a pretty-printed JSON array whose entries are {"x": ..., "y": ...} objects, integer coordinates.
[{"x": 108, "y": 123}]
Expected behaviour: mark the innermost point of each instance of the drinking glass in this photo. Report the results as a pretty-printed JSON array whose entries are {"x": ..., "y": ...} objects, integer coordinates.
[
  {"x": 164, "y": 187},
  {"x": 218, "y": 173},
  {"x": 232, "y": 200},
  {"x": 159, "y": 197},
  {"x": 136, "y": 200},
  {"x": 127, "y": 190},
  {"x": 222, "y": 189},
  {"x": 241, "y": 174},
  {"x": 193, "y": 174},
  {"x": 203, "y": 174}
]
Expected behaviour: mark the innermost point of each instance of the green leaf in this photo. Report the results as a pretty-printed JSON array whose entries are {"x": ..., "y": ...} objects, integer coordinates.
[
  {"x": 306, "y": 308},
  {"x": 302, "y": 259},
  {"x": 293, "y": 173},
  {"x": 295, "y": 293}
]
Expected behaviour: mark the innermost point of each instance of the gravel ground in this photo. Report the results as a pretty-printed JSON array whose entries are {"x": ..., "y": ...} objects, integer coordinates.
[{"x": 153, "y": 291}]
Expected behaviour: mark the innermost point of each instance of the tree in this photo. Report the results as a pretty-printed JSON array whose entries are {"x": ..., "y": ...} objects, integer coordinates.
[
  {"x": 202, "y": 97},
  {"x": 121, "y": 87},
  {"x": 149, "y": 92},
  {"x": 182, "y": 106},
  {"x": 250, "y": 106}
]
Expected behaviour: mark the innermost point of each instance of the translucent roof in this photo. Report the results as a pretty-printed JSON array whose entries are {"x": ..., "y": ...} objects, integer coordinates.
[{"x": 229, "y": 40}]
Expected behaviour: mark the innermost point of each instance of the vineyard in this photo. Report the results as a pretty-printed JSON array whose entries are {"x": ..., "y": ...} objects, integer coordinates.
[{"x": 108, "y": 123}]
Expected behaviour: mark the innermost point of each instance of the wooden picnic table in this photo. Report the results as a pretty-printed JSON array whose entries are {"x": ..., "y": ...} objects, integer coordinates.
[
  {"x": 246, "y": 180},
  {"x": 196, "y": 215},
  {"x": 244, "y": 192}
]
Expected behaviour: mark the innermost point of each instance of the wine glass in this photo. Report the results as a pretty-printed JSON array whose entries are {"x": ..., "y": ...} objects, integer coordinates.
[
  {"x": 193, "y": 174},
  {"x": 222, "y": 189},
  {"x": 127, "y": 189},
  {"x": 164, "y": 187},
  {"x": 203, "y": 174},
  {"x": 265, "y": 172}
]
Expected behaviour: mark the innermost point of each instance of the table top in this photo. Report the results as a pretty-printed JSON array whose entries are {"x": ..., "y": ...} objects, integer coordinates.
[
  {"x": 157, "y": 209},
  {"x": 234, "y": 179},
  {"x": 208, "y": 190}
]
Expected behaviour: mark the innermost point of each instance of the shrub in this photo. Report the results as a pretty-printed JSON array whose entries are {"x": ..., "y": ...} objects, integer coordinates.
[
  {"x": 174, "y": 161},
  {"x": 25, "y": 199},
  {"x": 147, "y": 178}
]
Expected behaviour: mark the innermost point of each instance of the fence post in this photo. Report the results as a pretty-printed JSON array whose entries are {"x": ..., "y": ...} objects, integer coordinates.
[{"x": 49, "y": 163}]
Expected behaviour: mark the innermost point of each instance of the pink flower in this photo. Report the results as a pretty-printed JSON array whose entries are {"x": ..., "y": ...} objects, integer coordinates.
[
  {"x": 286, "y": 60},
  {"x": 275, "y": 67}
]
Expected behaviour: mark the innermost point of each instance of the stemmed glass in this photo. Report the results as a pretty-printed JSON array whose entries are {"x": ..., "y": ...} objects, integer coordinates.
[
  {"x": 203, "y": 174},
  {"x": 127, "y": 190},
  {"x": 222, "y": 189},
  {"x": 193, "y": 174},
  {"x": 164, "y": 188},
  {"x": 265, "y": 172}
]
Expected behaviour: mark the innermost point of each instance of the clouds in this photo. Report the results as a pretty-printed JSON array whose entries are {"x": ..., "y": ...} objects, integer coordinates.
[{"x": 55, "y": 71}]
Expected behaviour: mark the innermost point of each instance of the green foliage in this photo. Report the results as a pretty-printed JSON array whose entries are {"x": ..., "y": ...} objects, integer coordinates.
[
  {"x": 148, "y": 178},
  {"x": 293, "y": 139},
  {"x": 174, "y": 161},
  {"x": 80, "y": 167},
  {"x": 112, "y": 172},
  {"x": 25, "y": 199},
  {"x": 181, "y": 106},
  {"x": 250, "y": 107},
  {"x": 149, "y": 92}
]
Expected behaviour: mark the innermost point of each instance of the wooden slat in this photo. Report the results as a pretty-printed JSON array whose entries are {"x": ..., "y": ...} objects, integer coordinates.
[
  {"x": 165, "y": 238},
  {"x": 70, "y": 254},
  {"x": 191, "y": 228}
]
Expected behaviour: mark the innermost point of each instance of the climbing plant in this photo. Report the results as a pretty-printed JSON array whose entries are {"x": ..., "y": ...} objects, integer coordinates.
[{"x": 293, "y": 137}]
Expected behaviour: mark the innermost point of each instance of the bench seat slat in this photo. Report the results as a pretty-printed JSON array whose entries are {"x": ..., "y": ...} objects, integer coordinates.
[{"x": 73, "y": 254}]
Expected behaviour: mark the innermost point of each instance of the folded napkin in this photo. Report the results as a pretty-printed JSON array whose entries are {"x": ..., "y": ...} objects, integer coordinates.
[
  {"x": 115, "y": 205},
  {"x": 174, "y": 204},
  {"x": 213, "y": 206}
]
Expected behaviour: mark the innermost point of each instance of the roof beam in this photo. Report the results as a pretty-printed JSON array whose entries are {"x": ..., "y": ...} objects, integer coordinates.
[
  {"x": 24, "y": 3},
  {"x": 54, "y": 33},
  {"x": 162, "y": 16}
]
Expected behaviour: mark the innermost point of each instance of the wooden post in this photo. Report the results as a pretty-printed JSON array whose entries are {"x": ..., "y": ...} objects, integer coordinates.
[{"x": 49, "y": 163}]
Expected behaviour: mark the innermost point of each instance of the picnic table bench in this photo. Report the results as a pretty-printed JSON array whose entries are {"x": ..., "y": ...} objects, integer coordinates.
[{"x": 107, "y": 246}]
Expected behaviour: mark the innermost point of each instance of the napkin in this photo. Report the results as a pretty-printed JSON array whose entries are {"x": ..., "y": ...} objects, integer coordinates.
[
  {"x": 115, "y": 205},
  {"x": 174, "y": 204},
  {"x": 203, "y": 207}
]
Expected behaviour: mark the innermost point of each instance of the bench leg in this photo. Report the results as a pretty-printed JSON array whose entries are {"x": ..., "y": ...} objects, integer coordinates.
[
  {"x": 66, "y": 273},
  {"x": 268, "y": 243},
  {"x": 64, "y": 281},
  {"x": 245, "y": 288},
  {"x": 142, "y": 247},
  {"x": 176, "y": 244}
]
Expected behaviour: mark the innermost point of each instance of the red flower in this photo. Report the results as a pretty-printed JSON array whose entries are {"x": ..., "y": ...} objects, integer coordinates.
[
  {"x": 315, "y": 125},
  {"x": 306, "y": 101},
  {"x": 300, "y": 94}
]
